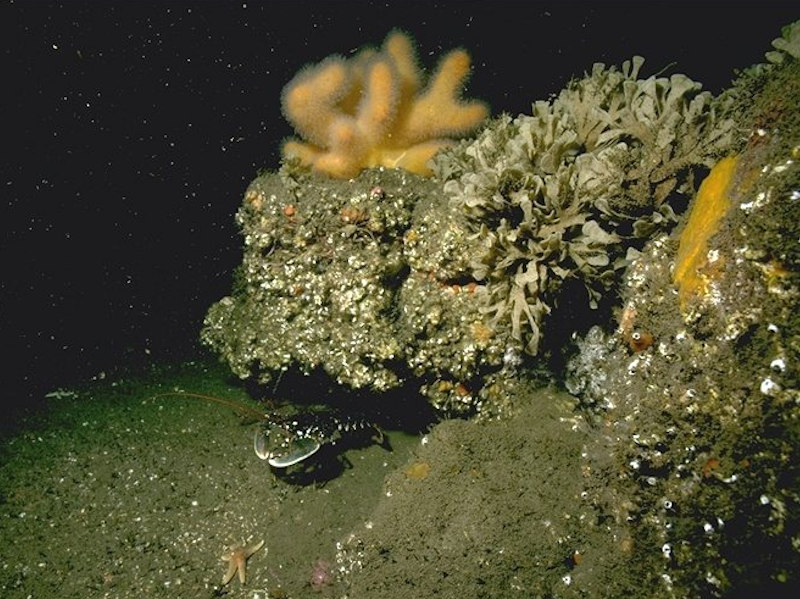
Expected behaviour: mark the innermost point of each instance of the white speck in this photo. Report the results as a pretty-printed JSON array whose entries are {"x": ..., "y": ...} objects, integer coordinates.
[
  {"x": 778, "y": 365},
  {"x": 708, "y": 528},
  {"x": 666, "y": 549},
  {"x": 761, "y": 132},
  {"x": 772, "y": 328},
  {"x": 512, "y": 358},
  {"x": 764, "y": 500},
  {"x": 768, "y": 386},
  {"x": 61, "y": 394},
  {"x": 633, "y": 365},
  {"x": 388, "y": 493},
  {"x": 195, "y": 503},
  {"x": 368, "y": 525},
  {"x": 566, "y": 579},
  {"x": 634, "y": 464},
  {"x": 795, "y": 195},
  {"x": 424, "y": 440},
  {"x": 713, "y": 256}
]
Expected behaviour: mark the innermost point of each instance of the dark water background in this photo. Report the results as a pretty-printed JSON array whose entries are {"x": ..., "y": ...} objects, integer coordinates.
[{"x": 131, "y": 129}]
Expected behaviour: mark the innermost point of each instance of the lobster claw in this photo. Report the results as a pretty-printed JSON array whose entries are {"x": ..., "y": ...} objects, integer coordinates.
[
  {"x": 260, "y": 445},
  {"x": 297, "y": 451}
]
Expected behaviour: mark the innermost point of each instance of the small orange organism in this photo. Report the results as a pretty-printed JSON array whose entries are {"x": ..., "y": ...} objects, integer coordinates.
[
  {"x": 418, "y": 471},
  {"x": 639, "y": 340}
]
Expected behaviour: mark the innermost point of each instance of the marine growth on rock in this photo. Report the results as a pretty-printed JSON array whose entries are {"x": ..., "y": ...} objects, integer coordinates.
[
  {"x": 565, "y": 192},
  {"x": 449, "y": 281}
]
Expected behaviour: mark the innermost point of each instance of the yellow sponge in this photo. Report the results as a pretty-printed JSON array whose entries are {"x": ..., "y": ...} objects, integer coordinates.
[{"x": 712, "y": 203}]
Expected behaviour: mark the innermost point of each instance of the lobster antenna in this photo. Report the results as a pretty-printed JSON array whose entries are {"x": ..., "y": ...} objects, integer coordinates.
[{"x": 242, "y": 409}]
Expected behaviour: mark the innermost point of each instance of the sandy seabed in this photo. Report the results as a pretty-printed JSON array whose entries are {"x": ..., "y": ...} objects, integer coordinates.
[{"x": 111, "y": 492}]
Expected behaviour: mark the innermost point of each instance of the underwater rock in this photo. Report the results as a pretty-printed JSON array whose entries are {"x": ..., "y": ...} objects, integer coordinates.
[
  {"x": 678, "y": 466},
  {"x": 452, "y": 284},
  {"x": 323, "y": 263},
  {"x": 326, "y": 285},
  {"x": 491, "y": 507},
  {"x": 699, "y": 436},
  {"x": 677, "y": 475}
]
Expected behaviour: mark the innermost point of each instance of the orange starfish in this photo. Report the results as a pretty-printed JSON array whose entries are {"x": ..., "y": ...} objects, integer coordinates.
[{"x": 237, "y": 561}]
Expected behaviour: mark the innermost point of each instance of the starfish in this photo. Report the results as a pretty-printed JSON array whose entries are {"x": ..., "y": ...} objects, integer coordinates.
[{"x": 237, "y": 561}]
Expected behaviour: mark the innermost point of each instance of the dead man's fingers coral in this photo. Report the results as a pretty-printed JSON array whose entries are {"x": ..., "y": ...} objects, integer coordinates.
[{"x": 370, "y": 110}]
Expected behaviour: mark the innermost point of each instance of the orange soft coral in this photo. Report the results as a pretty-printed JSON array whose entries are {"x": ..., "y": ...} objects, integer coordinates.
[{"x": 371, "y": 111}]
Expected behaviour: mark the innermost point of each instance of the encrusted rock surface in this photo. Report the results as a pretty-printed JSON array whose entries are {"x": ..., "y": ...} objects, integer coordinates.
[
  {"x": 677, "y": 455},
  {"x": 447, "y": 282}
]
